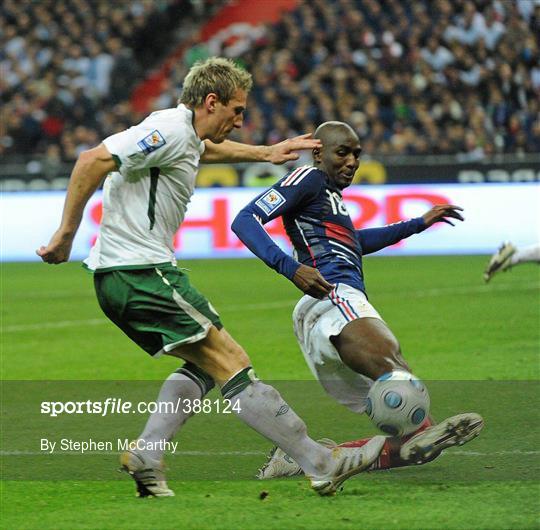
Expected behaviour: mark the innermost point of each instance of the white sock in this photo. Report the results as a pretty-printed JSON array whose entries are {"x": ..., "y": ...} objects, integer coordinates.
[
  {"x": 526, "y": 254},
  {"x": 162, "y": 426},
  {"x": 264, "y": 410}
]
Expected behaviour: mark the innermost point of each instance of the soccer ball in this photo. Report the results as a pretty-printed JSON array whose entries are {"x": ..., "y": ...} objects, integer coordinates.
[{"x": 398, "y": 403}]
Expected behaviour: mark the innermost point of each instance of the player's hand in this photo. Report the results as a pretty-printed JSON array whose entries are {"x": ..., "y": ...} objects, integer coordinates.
[
  {"x": 310, "y": 281},
  {"x": 286, "y": 150},
  {"x": 440, "y": 212},
  {"x": 58, "y": 249}
]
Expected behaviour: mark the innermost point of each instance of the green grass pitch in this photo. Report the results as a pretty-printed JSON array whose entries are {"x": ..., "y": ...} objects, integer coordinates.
[{"x": 476, "y": 345}]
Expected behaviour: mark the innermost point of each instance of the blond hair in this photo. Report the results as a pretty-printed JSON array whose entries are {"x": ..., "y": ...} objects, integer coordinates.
[{"x": 215, "y": 75}]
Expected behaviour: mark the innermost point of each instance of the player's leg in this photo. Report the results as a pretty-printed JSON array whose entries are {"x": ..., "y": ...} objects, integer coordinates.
[
  {"x": 157, "y": 309},
  {"x": 181, "y": 388},
  {"x": 262, "y": 408},
  {"x": 370, "y": 350},
  {"x": 314, "y": 322},
  {"x": 508, "y": 256},
  {"x": 144, "y": 459},
  {"x": 529, "y": 254},
  {"x": 367, "y": 346},
  {"x": 500, "y": 261},
  {"x": 160, "y": 311}
]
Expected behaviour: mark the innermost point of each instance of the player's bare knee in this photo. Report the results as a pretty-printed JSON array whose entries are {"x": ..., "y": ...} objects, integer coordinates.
[
  {"x": 379, "y": 365},
  {"x": 386, "y": 356},
  {"x": 400, "y": 362},
  {"x": 389, "y": 347},
  {"x": 374, "y": 359}
]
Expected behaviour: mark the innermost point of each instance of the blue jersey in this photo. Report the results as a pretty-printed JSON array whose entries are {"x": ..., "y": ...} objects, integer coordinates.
[{"x": 319, "y": 227}]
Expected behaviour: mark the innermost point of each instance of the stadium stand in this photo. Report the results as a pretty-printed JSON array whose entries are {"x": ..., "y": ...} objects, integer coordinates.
[
  {"x": 422, "y": 77},
  {"x": 68, "y": 68}
]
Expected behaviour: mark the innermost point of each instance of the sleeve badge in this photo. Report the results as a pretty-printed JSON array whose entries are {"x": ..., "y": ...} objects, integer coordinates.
[
  {"x": 270, "y": 201},
  {"x": 151, "y": 142}
]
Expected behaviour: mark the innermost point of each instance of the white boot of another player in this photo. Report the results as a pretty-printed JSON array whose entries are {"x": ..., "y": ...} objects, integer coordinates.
[
  {"x": 500, "y": 261},
  {"x": 279, "y": 464},
  {"x": 349, "y": 461}
]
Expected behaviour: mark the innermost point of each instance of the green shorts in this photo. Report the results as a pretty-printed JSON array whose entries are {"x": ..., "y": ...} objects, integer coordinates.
[{"x": 157, "y": 307}]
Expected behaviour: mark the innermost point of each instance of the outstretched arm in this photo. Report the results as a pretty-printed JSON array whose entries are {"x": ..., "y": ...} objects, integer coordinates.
[
  {"x": 274, "y": 202},
  {"x": 374, "y": 239},
  {"x": 90, "y": 169},
  {"x": 247, "y": 226},
  {"x": 280, "y": 153}
]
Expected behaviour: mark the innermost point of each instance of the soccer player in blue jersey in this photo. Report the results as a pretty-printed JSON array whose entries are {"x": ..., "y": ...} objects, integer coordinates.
[{"x": 345, "y": 342}]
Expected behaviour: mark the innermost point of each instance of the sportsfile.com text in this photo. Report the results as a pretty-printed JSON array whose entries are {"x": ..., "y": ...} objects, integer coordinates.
[{"x": 112, "y": 405}]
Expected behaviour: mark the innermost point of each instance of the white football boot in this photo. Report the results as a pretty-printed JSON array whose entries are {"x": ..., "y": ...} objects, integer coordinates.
[
  {"x": 148, "y": 475},
  {"x": 349, "y": 461},
  {"x": 279, "y": 464},
  {"x": 427, "y": 445},
  {"x": 500, "y": 261}
]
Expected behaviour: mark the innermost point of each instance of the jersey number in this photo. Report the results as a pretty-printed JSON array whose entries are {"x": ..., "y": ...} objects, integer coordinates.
[
  {"x": 337, "y": 203},
  {"x": 154, "y": 174}
]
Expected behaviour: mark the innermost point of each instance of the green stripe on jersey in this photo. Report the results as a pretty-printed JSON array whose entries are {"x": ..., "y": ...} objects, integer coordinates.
[{"x": 154, "y": 174}]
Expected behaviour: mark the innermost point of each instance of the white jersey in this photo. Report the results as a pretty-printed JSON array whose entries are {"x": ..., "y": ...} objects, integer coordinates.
[{"x": 145, "y": 201}]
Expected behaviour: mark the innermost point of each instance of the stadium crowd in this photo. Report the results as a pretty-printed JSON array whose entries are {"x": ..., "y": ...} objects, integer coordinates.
[
  {"x": 68, "y": 68},
  {"x": 413, "y": 77}
]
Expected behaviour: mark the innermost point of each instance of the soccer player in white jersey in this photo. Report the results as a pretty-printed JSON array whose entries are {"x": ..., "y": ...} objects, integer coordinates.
[
  {"x": 150, "y": 172},
  {"x": 508, "y": 256}
]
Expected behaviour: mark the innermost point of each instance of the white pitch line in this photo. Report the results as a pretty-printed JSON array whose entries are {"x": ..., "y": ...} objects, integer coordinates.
[
  {"x": 178, "y": 453},
  {"x": 494, "y": 453},
  {"x": 52, "y": 325},
  {"x": 516, "y": 452},
  {"x": 101, "y": 321},
  {"x": 282, "y": 304},
  {"x": 478, "y": 289}
]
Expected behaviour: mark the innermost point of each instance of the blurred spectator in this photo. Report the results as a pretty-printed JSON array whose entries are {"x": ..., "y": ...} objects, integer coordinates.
[
  {"x": 52, "y": 162},
  {"x": 436, "y": 55}
]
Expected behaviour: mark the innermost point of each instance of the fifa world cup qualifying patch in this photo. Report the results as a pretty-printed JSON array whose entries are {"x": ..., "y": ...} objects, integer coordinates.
[
  {"x": 151, "y": 142},
  {"x": 270, "y": 201}
]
